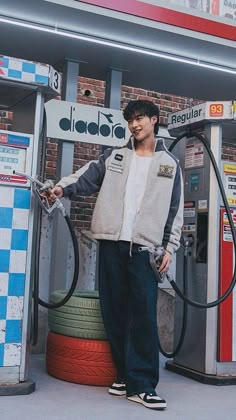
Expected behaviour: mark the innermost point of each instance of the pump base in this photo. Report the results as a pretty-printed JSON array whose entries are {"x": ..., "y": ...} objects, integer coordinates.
[
  {"x": 22, "y": 388},
  {"x": 200, "y": 376}
]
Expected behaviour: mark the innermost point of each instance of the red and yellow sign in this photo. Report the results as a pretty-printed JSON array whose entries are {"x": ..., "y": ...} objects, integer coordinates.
[
  {"x": 226, "y": 319},
  {"x": 216, "y": 110},
  {"x": 163, "y": 14},
  {"x": 230, "y": 168}
]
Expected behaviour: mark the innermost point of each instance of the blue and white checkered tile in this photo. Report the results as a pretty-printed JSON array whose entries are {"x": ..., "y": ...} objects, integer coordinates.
[
  {"x": 25, "y": 71},
  {"x": 14, "y": 219},
  {"x": 2, "y": 331},
  {"x": 10, "y": 354},
  {"x": 4, "y": 284}
]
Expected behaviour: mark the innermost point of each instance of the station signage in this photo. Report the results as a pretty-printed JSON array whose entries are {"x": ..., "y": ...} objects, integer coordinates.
[
  {"x": 234, "y": 110},
  {"x": 229, "y": 180},
  {"x": 227, "y": 8},
  {"x": 30, "y": 72},
  {"x": 186, "y": 116},
  {"x": 15, "y": 155},
  {"x": 76, "y": 122},
  {"x": 212, "y": 17},
  {"x": 212, "y": 111}
]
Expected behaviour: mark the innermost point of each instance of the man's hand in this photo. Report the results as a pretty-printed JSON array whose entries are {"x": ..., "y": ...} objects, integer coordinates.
[
  {"x": 56, "y": 192},
  {"x": 165, "y": 262}
]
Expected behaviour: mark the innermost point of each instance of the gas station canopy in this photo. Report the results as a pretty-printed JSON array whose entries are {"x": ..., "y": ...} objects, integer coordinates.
[{"x": 152, "y": 53}]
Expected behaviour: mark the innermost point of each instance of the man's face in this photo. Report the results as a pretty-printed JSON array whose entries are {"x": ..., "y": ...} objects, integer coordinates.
[{"x": 141, "y": 126}]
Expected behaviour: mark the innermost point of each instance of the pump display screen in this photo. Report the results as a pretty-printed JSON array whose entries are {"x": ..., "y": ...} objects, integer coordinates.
[{"x": 12, "y": 158}]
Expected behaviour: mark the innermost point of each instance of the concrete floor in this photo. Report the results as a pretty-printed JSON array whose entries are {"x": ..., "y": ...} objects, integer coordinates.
[{"x": 58, "y": 400}]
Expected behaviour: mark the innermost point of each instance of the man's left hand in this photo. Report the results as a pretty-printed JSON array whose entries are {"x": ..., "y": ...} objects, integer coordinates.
[{"x": 165, "y": 262}]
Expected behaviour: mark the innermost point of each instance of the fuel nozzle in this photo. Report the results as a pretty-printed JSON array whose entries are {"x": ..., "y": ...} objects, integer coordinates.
[
  {"x": 41, "y": 190},
  {"x": 47, "y": 186},
  {"x": 156, "y": 255}
]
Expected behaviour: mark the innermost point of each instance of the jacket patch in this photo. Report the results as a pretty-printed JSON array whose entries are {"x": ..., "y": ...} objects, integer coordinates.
[
  {"x": 116, "y": 165},
  {"x": 119, "y": 157},
  {"x": 166, "y": 171}
]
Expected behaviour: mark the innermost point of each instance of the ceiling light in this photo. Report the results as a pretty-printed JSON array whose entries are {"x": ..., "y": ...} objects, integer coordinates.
[{"x": 114, "y": 44}]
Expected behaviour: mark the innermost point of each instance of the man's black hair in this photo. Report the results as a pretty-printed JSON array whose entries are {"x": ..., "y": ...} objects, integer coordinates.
[{"x": 142, "y": 107}]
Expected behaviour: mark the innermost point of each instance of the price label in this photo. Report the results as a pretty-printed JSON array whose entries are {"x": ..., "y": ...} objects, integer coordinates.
[{"x": 216, "y": 110}]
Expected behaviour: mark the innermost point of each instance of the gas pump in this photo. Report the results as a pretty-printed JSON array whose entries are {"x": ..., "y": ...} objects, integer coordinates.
[
  {"x": 24, "y": 87},
  {"x": 208, "y": 353}
]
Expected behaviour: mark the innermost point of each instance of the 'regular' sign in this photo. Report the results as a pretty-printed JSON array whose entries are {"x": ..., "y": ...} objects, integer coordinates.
[{"x": 85, "y": 123}]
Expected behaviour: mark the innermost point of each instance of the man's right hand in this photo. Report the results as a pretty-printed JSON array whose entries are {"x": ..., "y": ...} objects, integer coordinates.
[{"x": 56, "y": 192}]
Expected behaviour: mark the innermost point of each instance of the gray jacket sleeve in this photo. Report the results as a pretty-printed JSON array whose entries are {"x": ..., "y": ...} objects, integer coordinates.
[
  {"x": 87, "y": 180},
  {"x": 173, "y": 227}
]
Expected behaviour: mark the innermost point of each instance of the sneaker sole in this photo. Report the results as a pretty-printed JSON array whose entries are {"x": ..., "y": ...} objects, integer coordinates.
[
  {"x": 117, "y": 393},
  {"x": 152, "y": 406}
]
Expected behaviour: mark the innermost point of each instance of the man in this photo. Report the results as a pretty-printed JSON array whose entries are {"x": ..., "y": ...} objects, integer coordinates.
[{"x": 139, "y": 206}]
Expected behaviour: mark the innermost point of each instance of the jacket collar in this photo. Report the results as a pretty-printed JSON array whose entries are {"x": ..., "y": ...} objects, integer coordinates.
[{"x": 160, "y": 144}]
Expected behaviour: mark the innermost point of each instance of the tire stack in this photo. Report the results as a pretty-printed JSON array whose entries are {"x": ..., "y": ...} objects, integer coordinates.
[{"x": 77, "y": 346}]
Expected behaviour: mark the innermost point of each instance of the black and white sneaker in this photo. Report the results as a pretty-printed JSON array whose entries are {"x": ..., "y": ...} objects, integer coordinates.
[
  {"x": 118, "y": 388},
  {"x": 149, "y": 400}
]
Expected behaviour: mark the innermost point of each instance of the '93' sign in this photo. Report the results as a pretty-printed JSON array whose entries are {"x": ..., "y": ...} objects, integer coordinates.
[{"x": 216, "y": 110}]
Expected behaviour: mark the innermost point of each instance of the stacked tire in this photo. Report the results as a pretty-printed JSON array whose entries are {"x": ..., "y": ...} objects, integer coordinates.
[{"x": 77, "y": 346}]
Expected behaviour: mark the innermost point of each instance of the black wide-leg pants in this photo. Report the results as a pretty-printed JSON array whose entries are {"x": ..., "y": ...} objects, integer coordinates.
[{"x": 128, "y": 295}]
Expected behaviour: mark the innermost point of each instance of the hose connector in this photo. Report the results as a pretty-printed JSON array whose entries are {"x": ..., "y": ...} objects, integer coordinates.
[
  {"x": 47, "y": 186},
  {"x": 188, "y": 242}
]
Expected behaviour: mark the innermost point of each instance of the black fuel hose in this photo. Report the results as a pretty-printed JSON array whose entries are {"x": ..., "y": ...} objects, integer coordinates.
[
  {"x": 36, "y": 299},
  {"x": 35, "y": 258},
  {"x": 76, "y": 271},
  {"x": 185, "y": 314},
  {"x": 187, "y": 299}
]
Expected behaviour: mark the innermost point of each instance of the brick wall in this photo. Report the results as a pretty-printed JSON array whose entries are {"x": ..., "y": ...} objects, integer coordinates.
[
  {"x": 229, "y": 152},
  {"x": 6, "y": 120}
]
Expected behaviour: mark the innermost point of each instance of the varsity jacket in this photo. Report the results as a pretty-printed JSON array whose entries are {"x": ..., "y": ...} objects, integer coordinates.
[{"x": 160, "y": 217}]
